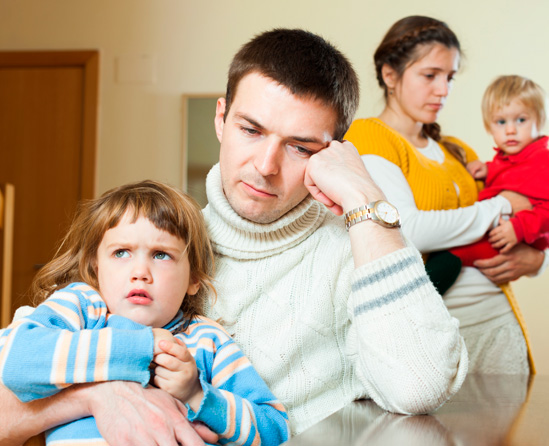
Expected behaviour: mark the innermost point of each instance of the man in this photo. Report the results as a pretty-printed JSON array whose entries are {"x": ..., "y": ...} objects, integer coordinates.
[
  {"x": 326, "y": 317},
  {"x": 321, "y": 325}
]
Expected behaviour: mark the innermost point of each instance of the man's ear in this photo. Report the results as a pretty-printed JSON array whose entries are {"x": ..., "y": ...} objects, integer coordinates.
[
  {"x": 389, "y": 76},
  {"x": 220, "y": 118}
]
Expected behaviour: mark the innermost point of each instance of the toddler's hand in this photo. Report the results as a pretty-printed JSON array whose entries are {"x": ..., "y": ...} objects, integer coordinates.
[
  {"x": 176, "y": 373},
  {"x": 503, "y": 237},
  {"x": 161, "y": 334},
  {"x": 477, "y": 169}
]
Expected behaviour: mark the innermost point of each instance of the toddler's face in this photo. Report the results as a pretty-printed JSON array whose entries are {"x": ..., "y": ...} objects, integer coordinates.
[
  {"x": 143, "y": 272},
  {"x": 513, "y": 127}
]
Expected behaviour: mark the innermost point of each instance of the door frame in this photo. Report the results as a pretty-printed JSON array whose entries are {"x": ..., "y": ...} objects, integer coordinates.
[{"x": 88, "y": 60}]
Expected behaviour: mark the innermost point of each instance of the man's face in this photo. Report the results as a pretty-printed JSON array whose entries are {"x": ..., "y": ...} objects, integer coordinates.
[{"x": 266, "y": 142}]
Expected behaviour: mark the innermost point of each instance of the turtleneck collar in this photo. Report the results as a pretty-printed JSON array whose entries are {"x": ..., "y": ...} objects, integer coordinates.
[{"x": 243, "y": 239}]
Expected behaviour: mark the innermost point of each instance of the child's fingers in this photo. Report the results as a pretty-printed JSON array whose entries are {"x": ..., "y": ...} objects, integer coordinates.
[
  {"x": 177, "y": 349},
  {"x": 498, "y": 244},
  {"x": 169, "y": 362}
]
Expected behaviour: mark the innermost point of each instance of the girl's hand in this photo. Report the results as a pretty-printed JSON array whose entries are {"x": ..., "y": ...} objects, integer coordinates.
[
  {"x": 503, "y": 237},
  {"x": 161, "y": 334},
  {"x": 176, "y": 373}
]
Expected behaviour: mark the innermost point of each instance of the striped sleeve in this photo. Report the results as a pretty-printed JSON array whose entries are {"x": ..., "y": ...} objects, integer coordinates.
[
  {"x": 237, "y": 403},
  {"x": 68, "y": 340},
  {"x": 410, "y": 355}
]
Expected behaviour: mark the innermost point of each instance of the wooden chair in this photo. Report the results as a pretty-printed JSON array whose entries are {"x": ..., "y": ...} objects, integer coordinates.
[{"x": 7, "y": 206}]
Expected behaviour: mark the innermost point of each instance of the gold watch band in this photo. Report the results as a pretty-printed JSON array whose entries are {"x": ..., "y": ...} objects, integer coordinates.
[{"x": 356, "y": 215}]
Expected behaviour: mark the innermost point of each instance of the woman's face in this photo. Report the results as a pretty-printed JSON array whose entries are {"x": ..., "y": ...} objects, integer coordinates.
[{"x": 420, "y": 93}]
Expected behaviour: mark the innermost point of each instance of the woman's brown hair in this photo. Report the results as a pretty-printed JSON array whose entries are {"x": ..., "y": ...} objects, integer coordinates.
[
  {"x": 402, "y": 46},
  {"x": 166, "y": 207}
]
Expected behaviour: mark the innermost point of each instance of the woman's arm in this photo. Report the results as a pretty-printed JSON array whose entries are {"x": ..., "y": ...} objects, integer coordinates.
[{"x": 434, "y": 230}]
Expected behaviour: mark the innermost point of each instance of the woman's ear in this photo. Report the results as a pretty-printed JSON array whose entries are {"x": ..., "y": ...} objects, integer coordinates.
[
  {"x": 220, "y": 118},
  {"x": 389, "y": 76}
]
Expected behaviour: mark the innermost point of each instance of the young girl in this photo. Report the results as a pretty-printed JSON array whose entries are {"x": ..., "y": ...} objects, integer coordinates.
[
  {"x": 513, "y": 110},
  {"x": 122, "y": 302}
]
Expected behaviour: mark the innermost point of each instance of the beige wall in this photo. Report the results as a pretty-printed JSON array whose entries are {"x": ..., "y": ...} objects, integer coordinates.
[{"x": 184, "y": 46}]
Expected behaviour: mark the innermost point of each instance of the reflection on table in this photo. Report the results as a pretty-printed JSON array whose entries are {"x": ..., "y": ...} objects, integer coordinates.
[{"x": 488, "y": 410}]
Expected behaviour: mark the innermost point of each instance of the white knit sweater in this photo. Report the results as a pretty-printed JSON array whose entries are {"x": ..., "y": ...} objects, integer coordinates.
[{"x": 320, "y": 332}]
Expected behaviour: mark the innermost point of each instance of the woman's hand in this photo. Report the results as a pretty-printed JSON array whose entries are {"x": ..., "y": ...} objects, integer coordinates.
[{"x": 519, "y": 261}]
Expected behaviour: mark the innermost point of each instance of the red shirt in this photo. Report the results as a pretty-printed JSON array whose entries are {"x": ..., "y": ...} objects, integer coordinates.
[{"x": 526, "y": 173}]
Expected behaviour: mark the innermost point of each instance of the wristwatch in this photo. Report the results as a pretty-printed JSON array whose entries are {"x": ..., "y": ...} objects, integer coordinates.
[{"x": 381, "y": 211}]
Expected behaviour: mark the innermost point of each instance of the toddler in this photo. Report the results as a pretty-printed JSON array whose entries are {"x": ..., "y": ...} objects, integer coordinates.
[
  {"x": 122, "y": 301},
  {"x": 513, "y": 110}
]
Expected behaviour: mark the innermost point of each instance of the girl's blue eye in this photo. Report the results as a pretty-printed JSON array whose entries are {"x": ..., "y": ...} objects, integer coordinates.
[
  {"x": 121, "y": 253},
  {"x": 161, "y": 256},
  {"x": 521, "y": 120},
  {"x": 500, "y": 121}
]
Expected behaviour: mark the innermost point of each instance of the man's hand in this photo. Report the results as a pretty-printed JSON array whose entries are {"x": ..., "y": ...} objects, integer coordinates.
[
  {"x": 176, "y": 373},
  {"x": 503, "y": 237},
  {"x": 477, "y": 169},
  {"x": 126, "y": 414},
  {"x": 337, "y": 178},
  {"x": 519, "y": 261},
  {"x": 518, "y": 201}
]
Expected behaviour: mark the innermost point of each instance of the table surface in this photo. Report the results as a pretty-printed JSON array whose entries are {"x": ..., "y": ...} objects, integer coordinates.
[{"x": 488, "y": 410}]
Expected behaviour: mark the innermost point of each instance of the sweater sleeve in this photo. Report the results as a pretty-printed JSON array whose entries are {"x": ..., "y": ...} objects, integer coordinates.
[
  {"x": 410, "y": 355},
  {"x": 66, "y": 340},
  {"x": 434, "y": 230},
  {"x": 237, "y": 403}
]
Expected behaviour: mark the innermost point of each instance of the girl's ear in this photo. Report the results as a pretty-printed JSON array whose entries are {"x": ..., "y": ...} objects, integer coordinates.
[
  {"x": 389, "y": 76},
  {"x": 193, "y": 288}
]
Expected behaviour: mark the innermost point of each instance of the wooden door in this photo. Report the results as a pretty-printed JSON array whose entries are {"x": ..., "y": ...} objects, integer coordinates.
[{"x": 48, "y": 103}]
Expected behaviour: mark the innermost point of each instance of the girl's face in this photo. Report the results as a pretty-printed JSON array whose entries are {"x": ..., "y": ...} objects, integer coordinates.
[
  {"x": 143, "y": 272},
  {"x": 420, "y": 93}
]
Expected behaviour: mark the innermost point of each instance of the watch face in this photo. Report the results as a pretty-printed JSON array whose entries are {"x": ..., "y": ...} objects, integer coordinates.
[{"x": 387, "y": 212}]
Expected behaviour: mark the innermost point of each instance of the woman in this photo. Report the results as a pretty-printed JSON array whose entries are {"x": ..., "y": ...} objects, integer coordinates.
[{"x": 423, "y": 174}]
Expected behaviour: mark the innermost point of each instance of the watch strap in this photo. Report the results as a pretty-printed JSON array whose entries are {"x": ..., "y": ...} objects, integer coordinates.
[{"x": 357, "y": 215}]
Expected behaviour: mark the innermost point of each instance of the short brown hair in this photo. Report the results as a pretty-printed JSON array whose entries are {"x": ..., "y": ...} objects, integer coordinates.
[
  {"x": 505, "y": 89},
  {"x": 167, "y": 208},
  {"x": 305, "y": 64}
]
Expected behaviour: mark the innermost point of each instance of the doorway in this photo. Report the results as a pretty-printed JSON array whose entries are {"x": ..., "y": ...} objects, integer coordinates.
[{"x": 48, "y": 116}]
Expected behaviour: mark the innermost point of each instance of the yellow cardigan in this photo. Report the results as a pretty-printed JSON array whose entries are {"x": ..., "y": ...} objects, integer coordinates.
[{"x": 432, "y": 183}]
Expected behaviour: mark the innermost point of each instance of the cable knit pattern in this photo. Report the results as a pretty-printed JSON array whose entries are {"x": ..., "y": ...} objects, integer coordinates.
[
  {"x": 320, "y": 332},
  {"x": 245, "y": 240}
]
